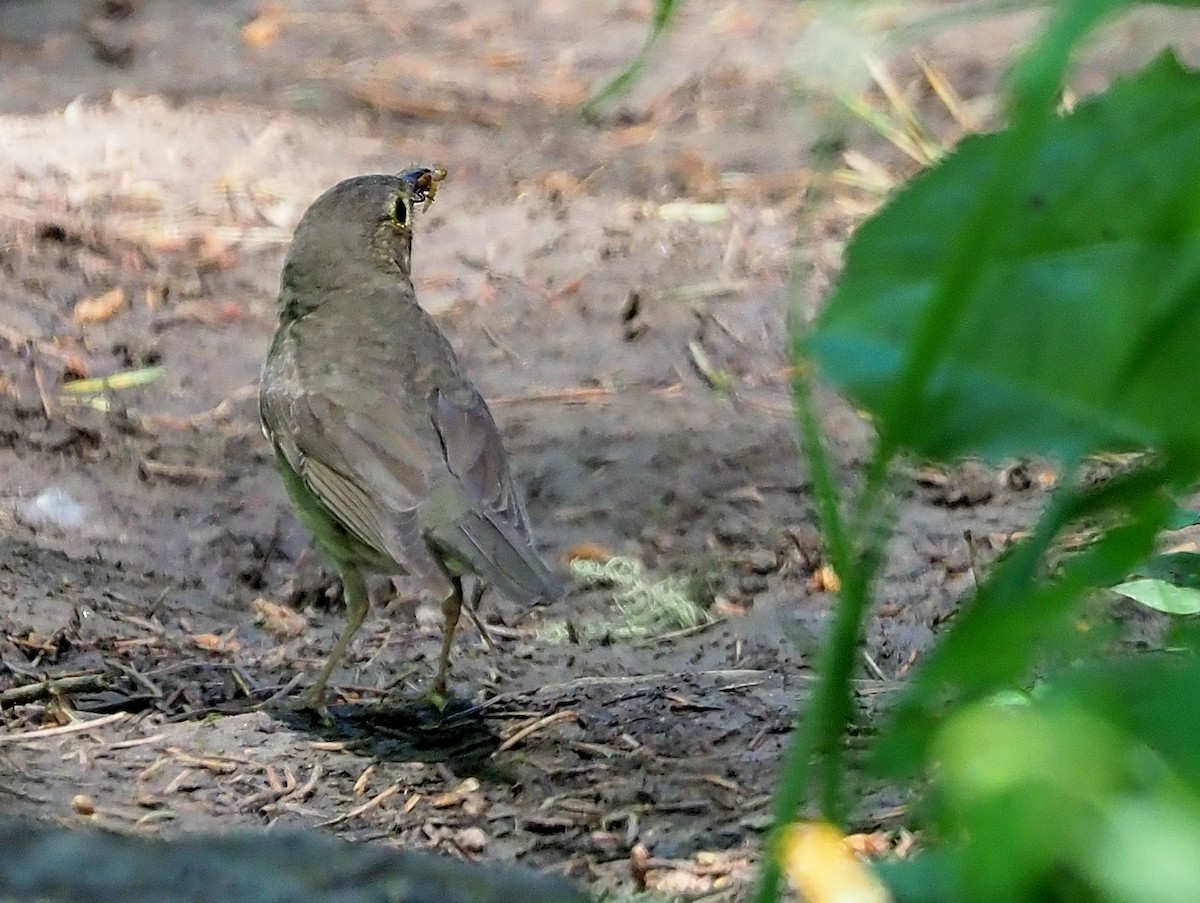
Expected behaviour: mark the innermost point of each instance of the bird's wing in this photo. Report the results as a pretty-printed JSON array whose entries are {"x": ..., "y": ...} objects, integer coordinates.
[
  {"x": 489, "y": 532},
  {"x": 298, "y": 435},
  {"x": 427, "y": 486},
  {"x": 474, "y": 453},
  {"x": 351, "y": 450}
]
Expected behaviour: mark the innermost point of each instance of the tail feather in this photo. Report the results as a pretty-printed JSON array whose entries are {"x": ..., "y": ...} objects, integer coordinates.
[{"x": 499, "y": 555}]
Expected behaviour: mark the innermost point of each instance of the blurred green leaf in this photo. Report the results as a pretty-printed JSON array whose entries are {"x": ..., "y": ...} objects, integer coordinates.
[
  {"x": 1080, "y": 332},
  {"x": 1023, "y": 785},
  {"x": 1036, "y": 293},
  {"x": 661, "y": 18},
  {"x": 927, "y": 877},
  {"x": 1146, "y": 851},
  {"x": 1086, "y": 791},
  {"x": 1014, "y": 618},
  {"x": 1073, "y": 795},
  {"x": 1161, "y": 596},
  {"x": 1153, "y": 698},
  {"x": 990, "y": 749}
]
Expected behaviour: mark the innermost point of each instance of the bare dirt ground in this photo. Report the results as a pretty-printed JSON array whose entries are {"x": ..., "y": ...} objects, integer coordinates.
[{"x": 154, "y": 157}]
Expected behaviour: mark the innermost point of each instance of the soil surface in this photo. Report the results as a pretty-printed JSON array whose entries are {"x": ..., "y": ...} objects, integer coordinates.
[{"x": 618, "y": 289}]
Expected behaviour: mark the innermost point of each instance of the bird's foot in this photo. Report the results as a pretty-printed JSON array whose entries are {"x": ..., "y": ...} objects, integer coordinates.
[
  {"x": 437, "y": 698},
  {"x": 310, "y": 705}
]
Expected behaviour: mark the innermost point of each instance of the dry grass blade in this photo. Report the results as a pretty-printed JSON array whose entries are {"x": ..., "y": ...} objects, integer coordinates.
[
  {"x": 373, "y": 803},
  {"x": 902, "y": 113},
  {"x": 949, "y": 97},
  {"x": 77, "y": 728},
  {"x": 862, "y": 172},
  {"x": 900, "y": 125},
  {"x": 881, "y": 123},
  {"x": 538, "y": 725}
]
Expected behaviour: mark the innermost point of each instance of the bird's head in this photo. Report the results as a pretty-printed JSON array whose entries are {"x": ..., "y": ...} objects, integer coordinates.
[{"x": 362, "y": 220}]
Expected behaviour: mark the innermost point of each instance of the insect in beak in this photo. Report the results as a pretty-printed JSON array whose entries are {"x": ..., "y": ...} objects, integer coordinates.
[{"x": 423, "y": 182}]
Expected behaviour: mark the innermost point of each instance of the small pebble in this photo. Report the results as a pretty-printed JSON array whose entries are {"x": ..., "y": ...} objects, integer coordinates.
[
  {"x": 752, "y": 584},
  {"x": 732, "y": 530},
  {"x": 473, "y": 840},
  {"x": 760, "y": 561},
  {"x": 54, "y": 506},
  {"x": 84, "y": 805}
]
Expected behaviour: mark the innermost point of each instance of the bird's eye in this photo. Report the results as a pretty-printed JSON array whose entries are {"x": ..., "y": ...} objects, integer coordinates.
[{"x": 400, "y": 212}]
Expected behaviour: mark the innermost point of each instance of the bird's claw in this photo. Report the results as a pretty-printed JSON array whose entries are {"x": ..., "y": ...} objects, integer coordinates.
[{"x": 310, "y": 705}]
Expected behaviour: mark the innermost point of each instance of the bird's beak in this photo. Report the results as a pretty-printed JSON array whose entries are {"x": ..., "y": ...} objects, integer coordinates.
[{"x": 423, "y": 183}]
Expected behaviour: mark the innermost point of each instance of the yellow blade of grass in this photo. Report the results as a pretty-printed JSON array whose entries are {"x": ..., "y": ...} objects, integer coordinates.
[
  {"x": 903, "y": 115},
  {"x": 862, "y": 172},
  {"x": 126, "y": 379},
  {"x": 893, "y": 133},
  {"x": 949, "y": 97}
]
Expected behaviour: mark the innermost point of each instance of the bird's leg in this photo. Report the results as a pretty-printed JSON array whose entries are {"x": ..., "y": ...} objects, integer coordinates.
[
  {"x": 471, "y": 607},
  {"x": 451, "y": 609},
  {"x": 354, "y": 589}
]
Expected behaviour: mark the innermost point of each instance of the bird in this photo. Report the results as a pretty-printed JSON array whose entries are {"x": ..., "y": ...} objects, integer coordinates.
[{"x": 388, "y": 452}]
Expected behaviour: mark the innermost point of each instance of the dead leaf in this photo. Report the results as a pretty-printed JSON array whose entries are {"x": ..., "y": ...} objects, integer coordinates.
[
  {"x": 263, "y": 30},
  {"x": 825, "y": 580},
  {"x": 278, "y": 620},
  {"x": 216, "y": 255},
  {"x": 558, "y": 183},
  {"x": 503, "y": 59},
  {"x": 678, "y": 882},
  {"x": 632, "y": 135},
  {"x": 207, "y": 312},
  {"x": 563, "y": 90},
  {"x": 695, "y": 176},
  {"x": 215, "y": 642},
  {"x": 589, "y": 551},
  {"x": 460, "y": 795},
  {"x": 276, "y": 658},
  {"x": 473, "y": 839},
  {"x": 726, "y": 608},
  {"x": 870, "y": 846},
  {"x": 639, "y": 867},
  {"x": 99, "y": 308},
  {"x": 570, "y": 287}
]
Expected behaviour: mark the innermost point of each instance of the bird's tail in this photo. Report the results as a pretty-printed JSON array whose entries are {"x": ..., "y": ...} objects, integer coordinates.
[{"x": 483, "y": 545}]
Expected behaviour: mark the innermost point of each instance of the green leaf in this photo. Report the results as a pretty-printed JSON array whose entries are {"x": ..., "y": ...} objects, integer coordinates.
[
  {"x": 1145, "y": 851},
  {"x": 1153, "y": 698},
  {"x": 1161, "y": 596},
  {"x": 1013, "y": 618},
  {"x": 1091, "y": 783},
  {"x": 661, "y": 18},
  {"x": 926, "y": 877},
  {"x": 1081, "y": 330}
]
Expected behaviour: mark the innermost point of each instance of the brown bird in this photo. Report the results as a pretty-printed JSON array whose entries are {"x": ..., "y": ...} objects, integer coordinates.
[{"x": 388, "y": 452}]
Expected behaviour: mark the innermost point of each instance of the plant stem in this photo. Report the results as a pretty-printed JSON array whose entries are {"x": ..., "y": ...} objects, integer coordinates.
[{"x": 820, "y": 729}]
